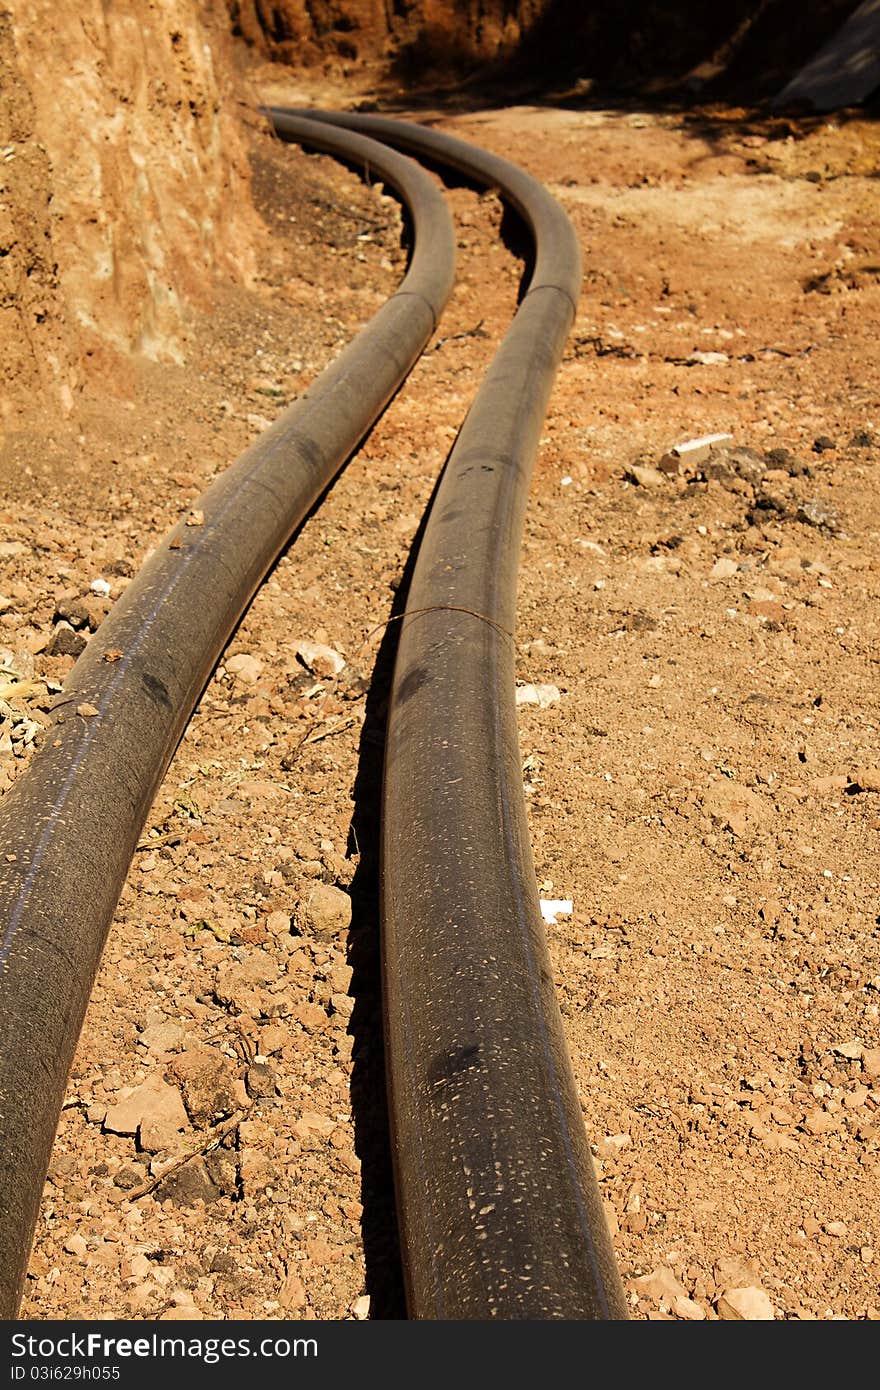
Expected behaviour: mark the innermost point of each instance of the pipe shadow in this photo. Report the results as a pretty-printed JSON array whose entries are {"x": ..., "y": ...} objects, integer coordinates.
[{"x": 385, "y": 1282}]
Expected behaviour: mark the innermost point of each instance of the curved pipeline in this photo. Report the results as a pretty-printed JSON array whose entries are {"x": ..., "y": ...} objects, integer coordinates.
[
  {"x": 69, "y": 826},
  {"x": 499, "y": 1207}
]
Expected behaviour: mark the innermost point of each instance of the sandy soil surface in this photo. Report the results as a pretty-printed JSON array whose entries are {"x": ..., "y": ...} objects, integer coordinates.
[{"x": 704, "y": 789}]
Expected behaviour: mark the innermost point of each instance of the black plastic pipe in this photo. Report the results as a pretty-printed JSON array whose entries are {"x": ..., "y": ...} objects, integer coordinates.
[
  {"x": 499, "y": 1207},
  {"x": 69, "y": 826}
]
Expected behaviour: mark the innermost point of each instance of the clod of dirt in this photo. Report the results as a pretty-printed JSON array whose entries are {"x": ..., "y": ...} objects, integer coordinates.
[
  {"x": 326, "y": 912},
  {"x": 211, "y": 1089}
]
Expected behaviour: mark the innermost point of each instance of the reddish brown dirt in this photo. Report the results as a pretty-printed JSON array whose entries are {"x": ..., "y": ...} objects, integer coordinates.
[{"x": 704, "y": 790}]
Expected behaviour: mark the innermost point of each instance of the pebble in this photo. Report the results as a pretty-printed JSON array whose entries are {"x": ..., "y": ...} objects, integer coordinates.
[
  {"x": 688, "y": 1309},
  {"x": 361, "y": 1307},
  {"x": 660, "y": 1285},
  {"x": 310, "y": 1123},
  {"x": 816, "y": 513},
  {"x": 327, "y": 912},
  {"x": 312, "y": 1017},
  {"x": 871, "y": 1063},
  {"x": 820, "y": 1122},
  {"x": 189, "y": 1185},
  {"x": 541, "y": 695},
  {"x": 162, "y": 1037},
  {"x": 292, "y": 1294},
  {"x": 278, "y": 924},
  {"x": 76, "y": 1245},
  {"x": 343, "y": 1004},
  {"x": 72, "y": 610},
  {"x": 723, "y": 568},
  {"x": 645, "y": 476},
  {"x": 273, "y": 1037},
  {"x": 320, "y": 659},
  {"x": 706, "y": 359},
  {"x": 749, "y": 1304},
  {"x": 246, "y": 669},
  {"x": 153, "y": 1111}
]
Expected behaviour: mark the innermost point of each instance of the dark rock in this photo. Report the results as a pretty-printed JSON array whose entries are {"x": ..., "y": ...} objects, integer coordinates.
[
  {"x": 190, "y": 1184},
  {"x": 261, "y": 1080},
  {"x": 223, "y": 1168},
  {"x": 797, "y": 469},
  {"x": 122, "y": 567},
  {"x": 862, "y": 439},
  {"x": 67, "y": 642},
  {"x": 742, "y": 462},
  {"x": 128, "y": 1177},
  {"x": 822, "y": 444},
  {"x": 778, "y": 457}
]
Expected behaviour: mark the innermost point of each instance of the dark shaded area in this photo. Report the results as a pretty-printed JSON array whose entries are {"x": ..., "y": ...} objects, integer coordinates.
[
  {"x": 495, "y": 51},
  {"x": 678, "y": 50},
  {"x": 670, "y": 58},
  {"x": 369, "y": 1098},
  {"x": 384, "y": 1273}
]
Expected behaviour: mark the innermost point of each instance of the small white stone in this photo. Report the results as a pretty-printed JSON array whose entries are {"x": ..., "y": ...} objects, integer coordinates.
[
  {"x": 724, "y": 568},
  {"x": 320, "y": 659},
  {"x": 707, "y": 359},
  {"x": 245, "y": 668},
  {"x": 553, "y": 907},
  {"x": 696, "y": 450},
  {"x": 540, "y": 695},
  {"x": 644, "y": 476},
  {"x": 688, "y": 1309},
  {"x": 750, "y": 1304}
]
